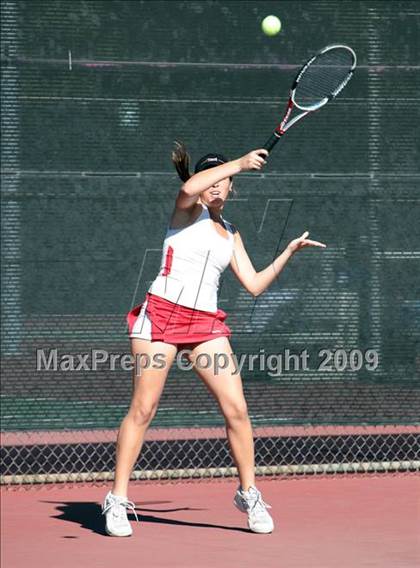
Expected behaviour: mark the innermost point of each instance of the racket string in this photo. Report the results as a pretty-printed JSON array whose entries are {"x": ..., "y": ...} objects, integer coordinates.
[{"x": 324, "y": 76}]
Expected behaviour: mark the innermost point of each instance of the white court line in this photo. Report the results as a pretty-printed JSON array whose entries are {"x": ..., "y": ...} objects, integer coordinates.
[
  {"x": 259, "y": 100},
  {"x": 399, "y": 254},
  {"x": 111, "y": 63},
  {"x": 318, "y": 175}
]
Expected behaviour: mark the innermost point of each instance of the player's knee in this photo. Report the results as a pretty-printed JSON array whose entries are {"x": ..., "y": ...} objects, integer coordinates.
[
  {"x": 142, "y": 414},
  {"x": 236, "y": 412}
]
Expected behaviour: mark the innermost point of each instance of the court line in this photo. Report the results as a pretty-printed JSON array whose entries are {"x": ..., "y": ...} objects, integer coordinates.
[
  {"x": 318, "y": 175},
  {"x": 265, "y": 101},
  {"x": 215, "y": 65}
]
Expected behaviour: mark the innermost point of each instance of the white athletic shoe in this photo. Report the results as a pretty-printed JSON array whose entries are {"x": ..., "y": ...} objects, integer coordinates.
[
  {"x": 115, "y": 511},
  {"x": 251, "y": 502}
]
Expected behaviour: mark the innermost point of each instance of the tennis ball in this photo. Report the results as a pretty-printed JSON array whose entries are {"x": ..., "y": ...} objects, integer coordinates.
[{"x": 271, "y": 25}]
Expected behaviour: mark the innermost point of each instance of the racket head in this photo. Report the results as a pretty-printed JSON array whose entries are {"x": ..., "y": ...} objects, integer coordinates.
[{"x": 323, "y": 76}]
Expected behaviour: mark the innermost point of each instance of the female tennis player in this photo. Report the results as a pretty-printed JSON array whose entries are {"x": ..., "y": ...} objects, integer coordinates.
[{"x": 180, "y": 311}]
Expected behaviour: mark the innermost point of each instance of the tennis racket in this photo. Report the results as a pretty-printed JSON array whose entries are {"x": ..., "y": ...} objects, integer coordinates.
[{"x": 318, "y": 81}]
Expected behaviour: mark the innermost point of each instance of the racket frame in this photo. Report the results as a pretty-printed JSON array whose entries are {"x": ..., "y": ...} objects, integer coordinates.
[{"x": 284, "y": 125}]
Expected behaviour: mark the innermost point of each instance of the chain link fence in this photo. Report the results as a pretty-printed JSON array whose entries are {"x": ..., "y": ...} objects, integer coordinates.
[{"x": 172, "y": 456}]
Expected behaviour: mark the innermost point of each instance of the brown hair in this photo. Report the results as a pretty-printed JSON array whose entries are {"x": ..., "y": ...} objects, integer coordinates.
[{"x": 181, "y": 160}]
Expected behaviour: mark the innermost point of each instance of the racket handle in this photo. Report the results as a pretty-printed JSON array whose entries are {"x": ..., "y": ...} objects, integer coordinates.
[{"x": 271, "y": 142}]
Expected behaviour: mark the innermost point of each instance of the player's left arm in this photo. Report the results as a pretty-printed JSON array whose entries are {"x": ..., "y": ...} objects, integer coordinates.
[{"x": 257, "y": 282}]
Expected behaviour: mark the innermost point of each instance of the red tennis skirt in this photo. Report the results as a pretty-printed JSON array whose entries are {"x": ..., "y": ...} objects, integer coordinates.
[{"x": 158, "y": 319}]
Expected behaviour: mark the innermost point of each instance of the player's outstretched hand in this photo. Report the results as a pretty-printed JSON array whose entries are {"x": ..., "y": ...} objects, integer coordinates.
[
  {"x": 253, "y": 160},
  {"x": 302, "y": 241}
]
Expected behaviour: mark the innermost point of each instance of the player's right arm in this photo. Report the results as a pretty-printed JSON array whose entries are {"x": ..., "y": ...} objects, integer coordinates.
[{"x": 199, "y": 182}]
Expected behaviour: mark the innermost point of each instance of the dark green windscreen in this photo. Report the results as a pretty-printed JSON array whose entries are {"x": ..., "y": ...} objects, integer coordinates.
[{"x": 93, "y": 96}]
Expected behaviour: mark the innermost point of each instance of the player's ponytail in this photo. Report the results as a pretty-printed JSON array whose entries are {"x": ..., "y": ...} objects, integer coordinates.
[{"x": 181, "y": 160}]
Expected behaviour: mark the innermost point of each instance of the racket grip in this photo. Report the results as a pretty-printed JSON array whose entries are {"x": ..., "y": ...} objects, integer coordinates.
[{"x": 271, "y": 142}]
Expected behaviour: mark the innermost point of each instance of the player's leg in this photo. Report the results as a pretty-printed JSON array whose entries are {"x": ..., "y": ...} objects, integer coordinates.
[
  {"x": 149, "y": 376},
  {"x": 226, "y": 386},
  {"x": 148, "y": 381}
]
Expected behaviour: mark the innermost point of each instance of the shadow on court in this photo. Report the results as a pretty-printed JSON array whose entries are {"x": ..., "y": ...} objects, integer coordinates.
[{"x": 88, "y": 515}]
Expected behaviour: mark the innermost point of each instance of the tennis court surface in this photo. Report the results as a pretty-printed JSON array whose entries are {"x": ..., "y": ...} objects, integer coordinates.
[{"x": 320, "y": 523}]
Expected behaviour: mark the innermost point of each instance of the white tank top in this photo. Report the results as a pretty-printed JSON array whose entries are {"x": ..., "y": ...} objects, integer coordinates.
[{"x": 193, "y": 258}]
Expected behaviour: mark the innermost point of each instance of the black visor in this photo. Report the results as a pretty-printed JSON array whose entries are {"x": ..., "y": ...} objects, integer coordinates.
[{"x": 209, "y": 161}]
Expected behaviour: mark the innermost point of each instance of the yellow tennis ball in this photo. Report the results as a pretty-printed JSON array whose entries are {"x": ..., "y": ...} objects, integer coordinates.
[{"x": 271, "y": 25}]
